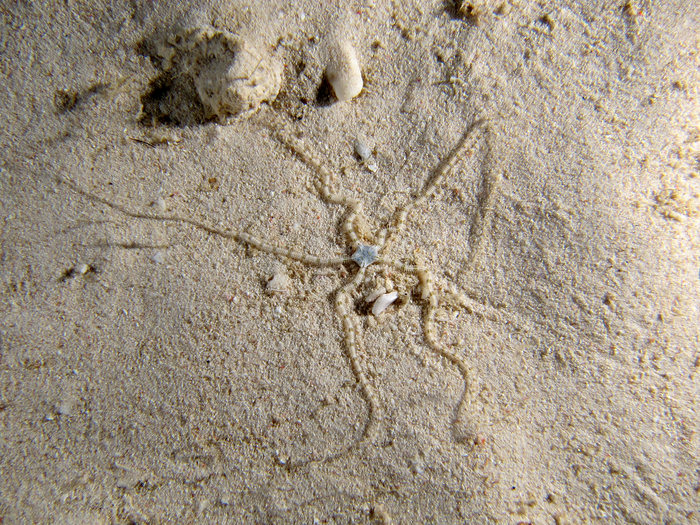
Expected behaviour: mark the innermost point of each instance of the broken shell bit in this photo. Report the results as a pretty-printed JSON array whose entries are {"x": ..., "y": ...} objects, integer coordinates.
[
  {"x": 383, "y": 302},
  {"x": 278, "y": 284},
  {"x": 81, "y": 268},
  {"x": 362, "y": 149},
  {"x": 375, "y": 294},
  {"x": 343, "y": 72}
]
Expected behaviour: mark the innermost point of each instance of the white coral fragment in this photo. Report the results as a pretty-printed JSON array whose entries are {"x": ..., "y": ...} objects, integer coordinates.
[
  {"x": 232, "y": 78},
  {"x": 343, "y": 72}
]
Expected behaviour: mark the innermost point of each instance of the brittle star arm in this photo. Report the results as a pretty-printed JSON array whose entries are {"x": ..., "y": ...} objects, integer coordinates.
[
  {"x": 342, "y": 306},
  {"x": 241, "y": 237},
  {"x": 289, "y": 253},
  {"x": 325, "y": 179},
  {"x": 351, "y": 333},
  {"x": 430, "y": 306},
  {"x": 432, "y": 187},
  {"x": 146, "y": 215}
]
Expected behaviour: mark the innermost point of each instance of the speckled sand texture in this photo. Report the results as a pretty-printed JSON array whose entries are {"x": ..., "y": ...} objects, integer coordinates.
[{"x": 160, "y": 371}]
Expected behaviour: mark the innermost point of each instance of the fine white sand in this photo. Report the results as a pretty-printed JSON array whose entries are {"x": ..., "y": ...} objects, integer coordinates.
[{"x": 168, "y": 384}]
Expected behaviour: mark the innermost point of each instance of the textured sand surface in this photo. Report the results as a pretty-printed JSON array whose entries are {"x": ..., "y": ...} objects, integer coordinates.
[{"x": 148, "y": 374}]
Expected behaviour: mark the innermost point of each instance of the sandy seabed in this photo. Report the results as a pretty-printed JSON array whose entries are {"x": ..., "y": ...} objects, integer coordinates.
[{"x": 166, "y": 371}]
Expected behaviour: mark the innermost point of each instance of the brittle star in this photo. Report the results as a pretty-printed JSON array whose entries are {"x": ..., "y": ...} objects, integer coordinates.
[{"x": 363, "y": 255}]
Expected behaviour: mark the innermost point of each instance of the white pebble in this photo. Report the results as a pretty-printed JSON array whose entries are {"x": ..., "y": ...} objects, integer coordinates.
[
  {"x": 81, "y": 268},
  {"x": 343, "y": 72},
  {"x": 158, "y": 257},
  {"x": 383, "y": 302}
]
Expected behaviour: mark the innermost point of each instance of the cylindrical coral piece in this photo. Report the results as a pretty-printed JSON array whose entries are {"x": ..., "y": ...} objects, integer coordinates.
[{"x": 343, "y": 71}]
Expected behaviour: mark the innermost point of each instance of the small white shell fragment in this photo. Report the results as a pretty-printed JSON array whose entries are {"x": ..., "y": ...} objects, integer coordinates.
[
  {"x": 375, "y": 294},
  {"x": 343, "y": 72},
  {"x": 383, "y": 302},
  {"x": 65, "y": 407},
  {"x": 159, "y": 205},
  {"x": 362, "y": 150},
  {"x": 158, "y": 257},
  {"x": 278, "y": 284},
  {"x": 81, "y": 268}
]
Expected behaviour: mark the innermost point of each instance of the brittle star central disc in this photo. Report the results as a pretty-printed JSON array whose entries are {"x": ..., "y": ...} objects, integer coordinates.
[{"x": 365, "y": 255}]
